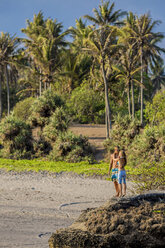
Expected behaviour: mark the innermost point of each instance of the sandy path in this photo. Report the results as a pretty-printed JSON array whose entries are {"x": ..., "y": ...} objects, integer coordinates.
[
  {"x": 34, "y": 205},
  {"x": 96, "y": 134}
]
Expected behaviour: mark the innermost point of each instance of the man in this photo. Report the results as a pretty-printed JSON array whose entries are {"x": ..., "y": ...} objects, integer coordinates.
[{"x": 114, "y": 167}]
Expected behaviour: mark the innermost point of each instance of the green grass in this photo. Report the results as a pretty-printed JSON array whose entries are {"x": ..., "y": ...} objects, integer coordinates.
[{"x": 54, "y": 167}]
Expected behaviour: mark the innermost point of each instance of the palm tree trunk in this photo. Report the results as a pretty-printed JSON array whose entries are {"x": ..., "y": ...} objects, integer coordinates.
[
  {"x": 108, "y": 111},
  {"x": 8, "y": 90},
  {"x": 40, "y": 86},
  {"x": 133, "y": 102},
  {"x": 141, "y": 112},
  {"x": 107, "y": 123},
  {"x": 129, "y": 100}
]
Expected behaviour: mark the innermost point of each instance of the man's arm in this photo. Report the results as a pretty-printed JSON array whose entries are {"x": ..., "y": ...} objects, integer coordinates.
[{"x": 110, "y": 165}]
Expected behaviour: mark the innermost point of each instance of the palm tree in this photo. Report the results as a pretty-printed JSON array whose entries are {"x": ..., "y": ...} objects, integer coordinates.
[
  {"x": 102, "y": 47},
  {"x": 79, "y": 33},
  {"x": 45, "y": 39},
  {"x": 128, "y": 71},
  {"x": 8, "y": 47},
  {"x": 102, "y": 44},
  {"x": 75, "y": 68},
  {"x": 106, "y": 15},
  {"x": 145, "y": 41},
  {"x": 157, "y": 76}
]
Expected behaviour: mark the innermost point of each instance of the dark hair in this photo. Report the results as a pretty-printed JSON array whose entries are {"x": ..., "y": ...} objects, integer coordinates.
[{"x": 124, "y": 156}]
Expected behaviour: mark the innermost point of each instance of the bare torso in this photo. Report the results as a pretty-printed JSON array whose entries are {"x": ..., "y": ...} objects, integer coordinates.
[{"x": 114, "y": 160}]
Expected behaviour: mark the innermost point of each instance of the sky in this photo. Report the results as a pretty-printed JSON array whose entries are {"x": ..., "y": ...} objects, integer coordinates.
[{"x": 14, "y": 13}]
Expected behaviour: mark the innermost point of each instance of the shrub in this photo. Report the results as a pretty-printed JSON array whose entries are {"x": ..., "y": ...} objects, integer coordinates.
[
  {"x": 149, "y": 146},
  {"x": 86, "y": 105},
  {"x": 41, "y": 147},
  {"x": 22, "y": 109},
  {"x": 58, "y": 123},
  {"x": 155, "y": 111},
  {"x": 44, "y": 107},
  {"x": 123, "y": 133},
  {"x": 71, "y": 148},
  {"x": 16, "y": 138},
  {"x": 148, "y": 176}
]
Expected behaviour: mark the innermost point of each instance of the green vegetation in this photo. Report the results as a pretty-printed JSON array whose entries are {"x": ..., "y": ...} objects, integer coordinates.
[
  {"x": 111, "y": 71},
  {"x": 71, "y": 148},
  {"x": 43, "y": 108},
  {"x": 145, "y": 148},
  {"x": 106, "y": 67},
  {"x": 22, "y": 110},
  {"x": 86, "y": 105},
  {"x": 54, "y": 167},
  {"x": 15, "y": 138}
]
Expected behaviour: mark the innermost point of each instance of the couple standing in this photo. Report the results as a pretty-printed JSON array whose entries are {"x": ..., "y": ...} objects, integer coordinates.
[{"x": 118, "y": 161}]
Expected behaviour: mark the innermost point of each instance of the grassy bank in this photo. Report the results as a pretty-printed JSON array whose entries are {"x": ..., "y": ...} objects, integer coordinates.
[
  {"x": 146, "y": 177},
  {"x": 54, "y": 167}
]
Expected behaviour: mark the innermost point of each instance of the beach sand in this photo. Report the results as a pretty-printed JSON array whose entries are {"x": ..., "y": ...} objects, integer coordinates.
[{"x": 33, "y": 205}]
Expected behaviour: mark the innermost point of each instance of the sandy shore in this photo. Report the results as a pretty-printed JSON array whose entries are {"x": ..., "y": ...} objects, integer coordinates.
[{"x": 33, "y": 205}]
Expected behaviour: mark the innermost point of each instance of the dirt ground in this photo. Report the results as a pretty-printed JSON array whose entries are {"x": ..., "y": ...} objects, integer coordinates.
[{"x": 96, "y": 135}]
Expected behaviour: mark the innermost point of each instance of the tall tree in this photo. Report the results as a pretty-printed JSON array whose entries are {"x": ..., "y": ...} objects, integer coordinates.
[
  {"x": 8, "y": 45},
  {"x": 128, "y": 70},
  {"x": 146, "y": 42},
  {"x": 45, "y": 39},
  {"x": 102, "y": 42}
]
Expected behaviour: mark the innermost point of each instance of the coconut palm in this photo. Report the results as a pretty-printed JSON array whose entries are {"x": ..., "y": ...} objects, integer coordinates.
[
  {"x": 106, "y": 15},
  {"x": 102, "y": 44},
  {"x": 8, "y": 45},
  {"x": 79, "y": 33},
  {"x": 128, "y": 71},
  {"x": 45, "y": 39},
  {"x": 145, "y": 42}
]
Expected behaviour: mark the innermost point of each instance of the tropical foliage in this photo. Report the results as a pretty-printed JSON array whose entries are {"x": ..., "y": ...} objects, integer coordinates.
[{"x": 105, "y": 68}]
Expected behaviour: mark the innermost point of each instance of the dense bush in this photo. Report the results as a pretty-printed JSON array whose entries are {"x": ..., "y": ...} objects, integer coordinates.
[
  {"x": 148, "y": 147},
  {"x": 155, "y": 111},
  {"x": 86, "y": 105},
  {"x": 22, "y": 109},
  {"x": 148, "y": 176},
  {"x": 58, "y": 123},
  {"x": 15, "y": 138},
  {"x": 71, "y": 148},
  {"x": 44, "y": 107},
  {"x": 123, "y": 133}
]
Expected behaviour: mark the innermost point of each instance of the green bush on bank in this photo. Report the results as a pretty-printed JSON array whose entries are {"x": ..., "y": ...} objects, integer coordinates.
[
  {"x": 43, "y": 108},
  {"x": 58, "y": 123},
  {"x": 15, "y": 138},
  {"x": 71, "y": 148},
  {"x": 22, "y": 109},
  {"x": 155, "y": 111}
]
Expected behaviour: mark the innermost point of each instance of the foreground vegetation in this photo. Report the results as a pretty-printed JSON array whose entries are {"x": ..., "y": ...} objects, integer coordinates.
[{"x": 54, "y": 167}]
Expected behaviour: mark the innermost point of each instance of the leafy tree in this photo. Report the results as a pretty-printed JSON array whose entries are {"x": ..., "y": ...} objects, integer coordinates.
[{"x": 86, "y": 105}]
